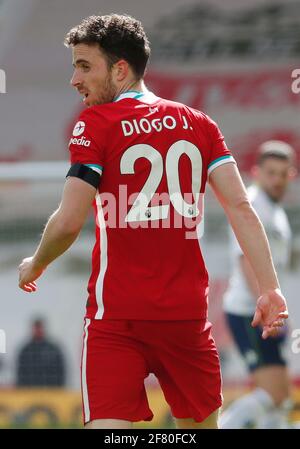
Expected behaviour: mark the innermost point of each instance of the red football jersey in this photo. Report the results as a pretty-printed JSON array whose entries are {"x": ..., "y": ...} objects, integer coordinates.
[{"x": 154, "y": 156}]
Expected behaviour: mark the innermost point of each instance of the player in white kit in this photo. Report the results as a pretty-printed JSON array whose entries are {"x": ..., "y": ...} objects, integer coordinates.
[{"x": 268, "y": 404}]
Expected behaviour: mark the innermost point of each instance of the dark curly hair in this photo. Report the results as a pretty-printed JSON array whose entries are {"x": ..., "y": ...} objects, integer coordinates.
[{"x": 118, "y": 36}]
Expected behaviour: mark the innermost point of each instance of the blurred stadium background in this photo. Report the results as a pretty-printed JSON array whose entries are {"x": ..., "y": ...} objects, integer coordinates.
[{"x": 233, "y": 63}]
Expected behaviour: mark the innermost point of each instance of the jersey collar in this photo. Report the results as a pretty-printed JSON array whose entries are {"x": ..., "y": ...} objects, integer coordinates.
[{"x": 145, "y": 97}]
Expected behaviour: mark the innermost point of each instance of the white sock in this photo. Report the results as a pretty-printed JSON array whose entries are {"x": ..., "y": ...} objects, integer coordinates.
[
  {"x": 247, "y": 411},
  {"x": 278, "y": 418}
]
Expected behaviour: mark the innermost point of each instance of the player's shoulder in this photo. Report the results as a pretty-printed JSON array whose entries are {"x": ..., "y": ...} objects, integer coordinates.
[
  {"x": 188, "y": 109},
  {"x": 200, "y": 119},
  {"x": 94, "y": 119},
  {"x": 91, "y": 112}
]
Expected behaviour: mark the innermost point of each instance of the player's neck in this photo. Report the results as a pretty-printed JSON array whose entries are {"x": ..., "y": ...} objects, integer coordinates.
[{"x": 133, "y": 86}]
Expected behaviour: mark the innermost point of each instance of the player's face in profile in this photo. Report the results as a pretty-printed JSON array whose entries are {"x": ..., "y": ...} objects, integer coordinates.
[
  {"x": 273, "y": 176},
  {"x": 92, "y": 77}
]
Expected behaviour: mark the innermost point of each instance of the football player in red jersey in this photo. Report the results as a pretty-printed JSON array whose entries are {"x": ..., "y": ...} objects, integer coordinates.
[{"x": 143, "y": 162}]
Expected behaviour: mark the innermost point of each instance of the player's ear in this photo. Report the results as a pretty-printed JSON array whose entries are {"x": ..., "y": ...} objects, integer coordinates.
[{"x": 121, "y": 69}]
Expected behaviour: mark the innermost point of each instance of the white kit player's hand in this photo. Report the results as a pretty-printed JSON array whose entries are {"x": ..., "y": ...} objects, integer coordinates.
[
  {"x": 28, "y": 273},
  {"x": 271, "y": 313}
]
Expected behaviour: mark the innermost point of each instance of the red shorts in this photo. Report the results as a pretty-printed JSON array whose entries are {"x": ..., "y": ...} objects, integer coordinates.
[{"x": 119, "y": 354}]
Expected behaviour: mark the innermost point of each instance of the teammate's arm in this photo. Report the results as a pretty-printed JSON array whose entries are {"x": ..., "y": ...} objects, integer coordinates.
[
  {"x": 228, "y": 187},
  {"x": 60, "y": 232}
]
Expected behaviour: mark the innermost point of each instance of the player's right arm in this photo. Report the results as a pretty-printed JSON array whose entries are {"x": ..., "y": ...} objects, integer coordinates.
[
  {"x": 65, "y": 223},
  {"x": 229, "y": 189}
]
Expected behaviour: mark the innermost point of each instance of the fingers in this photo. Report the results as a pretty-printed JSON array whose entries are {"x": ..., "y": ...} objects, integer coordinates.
[
  {"x": 26, "y": 288},
  {"x": 32, "y": 285},
  {"x": 266, "y": 331},
  {"x": 29, "y": 287},
  {"x": 278, "y": 323},
  {"x": 284, "y": 315},
  {"x": 257, "y": 318},
  {"x": 270, "y": 331},
  {"x": 280, "y": 320}
]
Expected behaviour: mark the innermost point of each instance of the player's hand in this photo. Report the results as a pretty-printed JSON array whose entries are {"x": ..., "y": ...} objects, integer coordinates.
[
  {"x": 28, "y": 274},
  {"x": 271, "y": 313}
]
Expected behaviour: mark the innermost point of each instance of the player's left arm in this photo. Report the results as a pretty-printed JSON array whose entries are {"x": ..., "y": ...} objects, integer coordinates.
[
  {"x": 60, "y": 232},
  {"x": 225, "y": 180},
  {"x": 271, "y": 309}
]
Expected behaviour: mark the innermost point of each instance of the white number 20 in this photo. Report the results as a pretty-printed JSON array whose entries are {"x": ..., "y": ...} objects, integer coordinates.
[{"x": 140, "y": 210}]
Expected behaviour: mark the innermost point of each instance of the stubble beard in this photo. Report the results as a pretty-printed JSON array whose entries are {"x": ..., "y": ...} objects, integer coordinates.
[{"x": 109, "y": 90}]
